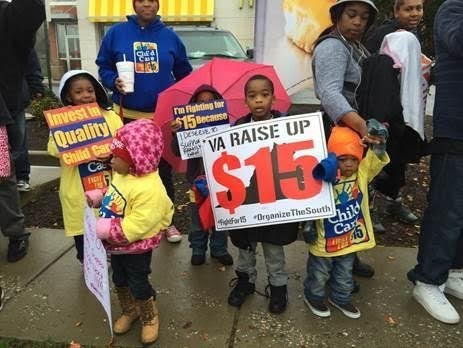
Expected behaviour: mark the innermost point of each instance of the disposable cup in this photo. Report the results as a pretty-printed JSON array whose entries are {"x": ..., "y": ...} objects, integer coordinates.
[{"x": 125, "y": 70}]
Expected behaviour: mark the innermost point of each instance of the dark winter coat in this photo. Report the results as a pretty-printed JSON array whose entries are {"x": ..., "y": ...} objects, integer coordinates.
[
  {"x": 19, "y": 20},
  {"x": 448, "y": 38},
  {"x": 374, "y": 38},
  {"x": 281, "y": 234},
  {"x": 32, "y": 82}
]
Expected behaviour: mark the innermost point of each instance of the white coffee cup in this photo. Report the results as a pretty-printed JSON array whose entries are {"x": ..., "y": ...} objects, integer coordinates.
[{"x": 125, "y": 70}]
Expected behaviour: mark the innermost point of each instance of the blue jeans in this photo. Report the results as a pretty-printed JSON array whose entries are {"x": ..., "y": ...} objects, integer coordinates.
[
  {"x": 337, "y": 271},
  {"x": 132, "y": 271},
  {"x": 198, "y": 238},
  {"x": 441, "y": 237}
]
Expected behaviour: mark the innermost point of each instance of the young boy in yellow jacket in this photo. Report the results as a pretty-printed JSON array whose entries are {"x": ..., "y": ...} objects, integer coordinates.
[{"x": 332, "y": 252}]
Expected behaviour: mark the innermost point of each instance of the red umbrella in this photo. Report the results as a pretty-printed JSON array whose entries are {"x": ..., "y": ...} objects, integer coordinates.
[{"x": 228, "y": 77}]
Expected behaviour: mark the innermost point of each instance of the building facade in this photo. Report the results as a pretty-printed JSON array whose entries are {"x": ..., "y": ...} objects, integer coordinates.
[{"x": 76, "y": 28}]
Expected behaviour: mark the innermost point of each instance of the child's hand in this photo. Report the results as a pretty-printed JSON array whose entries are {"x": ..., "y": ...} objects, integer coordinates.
[
  {"x": 175, "y": 125},
  {"x": 372, "y": 140},
  {"x": 103, "y": 226}
]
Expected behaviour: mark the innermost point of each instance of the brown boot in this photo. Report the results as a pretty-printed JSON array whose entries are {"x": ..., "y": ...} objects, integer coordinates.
[
  {"x": 149, "y": 320},
  {"x": 129, "y": 311}
]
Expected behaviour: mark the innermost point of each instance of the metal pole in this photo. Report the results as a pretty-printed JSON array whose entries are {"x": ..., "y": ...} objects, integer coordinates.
[{"x": 47, "y": 54}]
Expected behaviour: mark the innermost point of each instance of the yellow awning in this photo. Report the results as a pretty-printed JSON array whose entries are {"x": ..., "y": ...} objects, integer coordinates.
[{"x": 170, "y": 10}]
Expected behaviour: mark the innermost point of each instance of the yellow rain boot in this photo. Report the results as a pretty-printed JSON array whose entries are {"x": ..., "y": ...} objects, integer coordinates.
[
  {"x": 149, "y": 320},
  {"x": 129, "y": 311}
]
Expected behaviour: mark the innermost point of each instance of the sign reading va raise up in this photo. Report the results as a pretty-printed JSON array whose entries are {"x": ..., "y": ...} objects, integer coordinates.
[{"x": 80, "y": 132}]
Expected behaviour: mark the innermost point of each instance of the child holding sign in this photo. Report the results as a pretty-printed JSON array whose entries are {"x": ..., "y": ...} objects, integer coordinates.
[
  {"x": 197, "y": 235},
  {"x": 133, "y": 212},
  {"x": 259, "y": 94},
  {"x": 79, "y": 87},
  {"x": 337, "y": 239}
]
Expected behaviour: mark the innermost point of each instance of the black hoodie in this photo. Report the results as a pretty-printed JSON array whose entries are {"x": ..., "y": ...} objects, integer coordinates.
[{"x": 19, "y": 20}]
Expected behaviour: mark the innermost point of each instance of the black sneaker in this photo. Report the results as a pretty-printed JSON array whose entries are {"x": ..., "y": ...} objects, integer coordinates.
[
  {"x": 2, "y": 296},
  {"x": 318, "y": 308},
  {"x": 278, "y": 299},
  {"x": 226, "y": 259},
  {"x": 348, "y": 309},
  {"x": 17, "y": 249},
  {"x": 396, "y": 208},
  {"x": 197, "y": 260},
  {"x": 242, "y": 289},
  {"x": 362, "y": 269}
]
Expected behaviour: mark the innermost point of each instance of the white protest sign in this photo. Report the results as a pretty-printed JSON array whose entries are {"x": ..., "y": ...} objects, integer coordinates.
[
  {"x": 95, "y": 264},
  {"x": 260, "y": 173},
  {"x": 198, "y": 121}
]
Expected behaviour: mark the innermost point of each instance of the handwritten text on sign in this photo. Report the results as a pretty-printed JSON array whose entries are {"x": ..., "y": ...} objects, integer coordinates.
[
  {"x": 80, "y": 132},
  {"x": 260, "y": 173},
  {"x": 199, "y": 121},
  {"x": 95, "y": 264}
]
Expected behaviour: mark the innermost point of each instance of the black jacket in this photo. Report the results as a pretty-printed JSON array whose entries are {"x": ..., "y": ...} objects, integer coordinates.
[
  {"x": 19, "y": 20},
  {"x": 375, "y": 36},
  {"x": 281, "y": 234},
  {"x": 33, "y": 80}
]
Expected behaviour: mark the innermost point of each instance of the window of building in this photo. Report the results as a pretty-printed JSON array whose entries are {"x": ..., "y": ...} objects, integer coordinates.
[{"x": 67, "y": 36}]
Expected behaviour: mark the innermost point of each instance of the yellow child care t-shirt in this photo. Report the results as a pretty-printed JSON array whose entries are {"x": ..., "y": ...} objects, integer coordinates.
[
  {"x": 71, "y": 192},
  {"x": 350, "y": 230}
]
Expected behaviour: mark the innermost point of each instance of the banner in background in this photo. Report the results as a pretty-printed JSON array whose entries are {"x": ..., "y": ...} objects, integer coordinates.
[{"x": 285, "y": 31}]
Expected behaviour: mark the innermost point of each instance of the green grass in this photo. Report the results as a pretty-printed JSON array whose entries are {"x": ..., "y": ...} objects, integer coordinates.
[{"x": 15, "y": 343}]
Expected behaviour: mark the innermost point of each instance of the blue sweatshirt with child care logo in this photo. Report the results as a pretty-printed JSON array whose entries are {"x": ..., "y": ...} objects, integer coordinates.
[{"x": 159, "y": 56}]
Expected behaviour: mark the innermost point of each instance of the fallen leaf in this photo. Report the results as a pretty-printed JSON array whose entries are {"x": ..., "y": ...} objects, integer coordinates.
[
  {"x": 74, "y": 344},
  {"x": 221, "y": 268},
  {"x": 79, "y": 323},
  {"x": 390, "y": 320},
  {"x": 205, "y": 336},
  {"x": 187, "y": 325},
  {"x": 392, "y": 258}
]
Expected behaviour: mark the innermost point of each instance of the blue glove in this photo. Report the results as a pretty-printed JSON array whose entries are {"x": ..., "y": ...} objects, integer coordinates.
[
  {"x": 201, "y": 184},
  {"x": 378, "y": 129},
  {"x": 327, "y": 169}
]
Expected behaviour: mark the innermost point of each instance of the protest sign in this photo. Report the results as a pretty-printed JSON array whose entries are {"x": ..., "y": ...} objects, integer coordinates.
[
  {"x": 199, "y": 121},
  {"x": 94, "y": 175},
  {"x": 260, "y": 173},
  {"x": 95, "y": 264},
  {"x": 80, "y": 132}
]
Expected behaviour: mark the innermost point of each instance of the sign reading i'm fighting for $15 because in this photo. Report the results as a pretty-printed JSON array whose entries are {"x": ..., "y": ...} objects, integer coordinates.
[
  {"x": 260, "y": 173},
  {"x": 198, "y": 121}
]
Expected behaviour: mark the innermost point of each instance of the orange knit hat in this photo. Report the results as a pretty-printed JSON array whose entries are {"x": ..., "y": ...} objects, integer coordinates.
[{"x": 344, "y": 141}]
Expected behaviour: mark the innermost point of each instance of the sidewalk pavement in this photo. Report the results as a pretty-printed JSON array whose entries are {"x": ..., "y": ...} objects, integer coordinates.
[{"x": 47, "y": 300}]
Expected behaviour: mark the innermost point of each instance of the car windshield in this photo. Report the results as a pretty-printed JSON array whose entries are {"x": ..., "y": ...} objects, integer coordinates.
[{"x": 207, "y": 44}]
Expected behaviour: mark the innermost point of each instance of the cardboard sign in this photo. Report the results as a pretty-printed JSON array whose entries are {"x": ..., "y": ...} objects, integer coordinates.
[
  {"x": 199, "y": 121},
  {"x": 80, "y": 132},
  {"x": 260, "y": 173},
  {"x": 95, "y": 264}
]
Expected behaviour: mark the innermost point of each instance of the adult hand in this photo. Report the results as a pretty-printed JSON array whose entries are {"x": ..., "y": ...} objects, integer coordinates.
[
  {"x": 119, "y": 83},
  {"x": 371, "y": 140}
]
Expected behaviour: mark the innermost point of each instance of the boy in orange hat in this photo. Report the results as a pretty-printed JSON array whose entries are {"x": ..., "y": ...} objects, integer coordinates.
[{"x": 331, "y": 255}]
